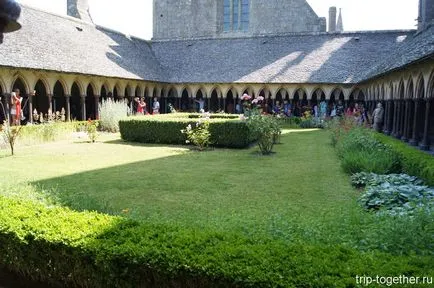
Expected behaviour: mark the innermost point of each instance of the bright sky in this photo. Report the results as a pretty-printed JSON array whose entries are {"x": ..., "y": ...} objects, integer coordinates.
[{"x": 134, "y": 17}]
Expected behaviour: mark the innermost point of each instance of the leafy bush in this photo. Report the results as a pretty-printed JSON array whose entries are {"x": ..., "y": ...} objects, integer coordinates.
[
  {"x": 361, "y": 152},
  {"x": 363, "y": 179},
  {"x": 110, "y": 112},
  {"x": 88, "y": 249},
  {"x": 397, "y": 199},
  {"x": 199, "y": 134},
  {"x": 414, "y": 162},
  {"x": 266, "y": 129},
  {"x": 167, "y": 130}
]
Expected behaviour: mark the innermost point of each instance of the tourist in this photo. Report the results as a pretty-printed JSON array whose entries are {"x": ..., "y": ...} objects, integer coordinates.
[
  {"x": 287, "y": 108},
  {"x": 339, "y": 109},
  {"x": 141, "y": 106},
  {"x": 238, "y": 108},
  {"x": 156, "y": 106},
  {"x": 201, "y": 104},
  {"x": 16, "y": 100},
  {"x": 323, "y": 109},
  {"x": 377, "y": 117}
]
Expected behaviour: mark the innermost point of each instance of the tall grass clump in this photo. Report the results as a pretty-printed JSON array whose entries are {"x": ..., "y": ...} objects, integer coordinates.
[
  {"x": 359, "y": 151},
  {"x": 110, "y": 113}
]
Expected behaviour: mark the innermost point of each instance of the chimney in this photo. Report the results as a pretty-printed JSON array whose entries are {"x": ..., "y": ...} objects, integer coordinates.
[
  {"x": 332, "y": 19},
  {"x": 426, "y": 14},
  {"x": 79, "y": 9},
  {"x": 340, "y": 25}
]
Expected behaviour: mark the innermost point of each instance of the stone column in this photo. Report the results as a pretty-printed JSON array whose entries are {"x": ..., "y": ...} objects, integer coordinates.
[
  {"x": 394, "y": 117},
  {"x": 83, "y": 107},
  {"x": 68, "y": 108},
  {"x": 405, "y": 121},
  {"x": 209, "y": 103},
  {"x": 425, "y": 140},
  {"x": 50, "y": 103},
  {"x": 414, "y": 139},
  {"x": 398, "y": 119},
  {"x": 97, "y": 107},
  {"x": 31, "y": 95},
  {"x": 386, "y": 117}
]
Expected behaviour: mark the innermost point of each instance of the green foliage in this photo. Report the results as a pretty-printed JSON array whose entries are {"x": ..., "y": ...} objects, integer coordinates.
[
  {"x": 110, "y": 112},
  {"x": 88, "y": 249},
  {"x": 215, "y": 116},
  {"x": 92, "y": 130},
  {"x": 264, "y": 128},
  {"x": 394, "y": 194},
  {"x": 414, "y": 162},
  {"x": 361, "y": 152},
  {"x": 167, "y": 130},
  {"x": 10, "y": 134},
  {"x": 198, "y": 134},
  {"x": 363, "y": 179}
]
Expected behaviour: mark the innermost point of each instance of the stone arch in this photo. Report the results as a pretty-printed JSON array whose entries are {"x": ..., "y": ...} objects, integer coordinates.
[
  {"x": 76, "y": 102},
  {"x": 115, "y": 94},
  {"x": 214, "y": 100},
  {"x": 336, "y": 95},
  {"x": 430, "y": 86},
  {"x": 19, "y": 81},
  {"x": 90, "y": 102},
  {"x": 128, "y": 91},
  {"x": 172, "y": 97},
  {"x": 248, "y": 90},
  {"x": 318, "y": 94},
  {"x": 138, "y": 92},
  {"x": 185, "y": 100},
  {"x": 59, "y": 99},
  {"x": 41, "y": 102},
  {"x": 103, "y": 92}
]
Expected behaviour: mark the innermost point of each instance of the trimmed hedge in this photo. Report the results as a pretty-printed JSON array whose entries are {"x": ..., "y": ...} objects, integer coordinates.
[
  {"x": 216, "y": 116},
  {"x": 86, "y": 249},
  {"x": 224, "y": 133},
  {"x": 414, "y": 162}
]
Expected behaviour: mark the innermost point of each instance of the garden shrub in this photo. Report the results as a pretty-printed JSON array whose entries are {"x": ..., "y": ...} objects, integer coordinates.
[
  {"x": 414, "y": 162},
  {"x": 361, "y": 152},
  {"x": 167, "y": 130},
  {"x": 110, "y": 112},
  {"x": 86, "y": 249}
]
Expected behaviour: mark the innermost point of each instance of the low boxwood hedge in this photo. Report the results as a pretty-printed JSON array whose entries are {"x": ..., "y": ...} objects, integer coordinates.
[
  {"x": 215, "y": 116},
  {"x": 414, "y": 162},
  {"x": 65, "y": 248},
  {"x": 162, "y": 130}
]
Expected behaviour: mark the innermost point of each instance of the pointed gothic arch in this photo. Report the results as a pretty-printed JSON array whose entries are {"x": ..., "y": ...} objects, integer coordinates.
[{"x": 59, "y": 99}]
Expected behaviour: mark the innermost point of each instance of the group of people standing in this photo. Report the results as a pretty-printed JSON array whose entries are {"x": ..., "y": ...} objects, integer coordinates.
[
  {"x": 16, "y": 108},
  {"x": 139, "y": 106}
]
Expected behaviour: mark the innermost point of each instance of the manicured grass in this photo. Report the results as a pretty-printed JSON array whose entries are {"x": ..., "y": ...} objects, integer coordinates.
[{"x": 298, "y": 194}]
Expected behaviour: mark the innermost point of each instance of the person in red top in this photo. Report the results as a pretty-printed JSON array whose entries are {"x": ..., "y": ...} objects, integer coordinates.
[
  {"x": 16, "y": 111},
  {"x": 141, "y": 107}
]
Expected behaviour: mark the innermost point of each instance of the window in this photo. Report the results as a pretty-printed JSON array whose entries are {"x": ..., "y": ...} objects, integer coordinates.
[{"x": 236, "y": 15}]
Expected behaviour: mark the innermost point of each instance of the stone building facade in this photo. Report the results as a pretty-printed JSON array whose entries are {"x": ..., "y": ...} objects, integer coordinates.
[
  {"x": 181, "y": 19},
  {"x": 73, "y": 64}
]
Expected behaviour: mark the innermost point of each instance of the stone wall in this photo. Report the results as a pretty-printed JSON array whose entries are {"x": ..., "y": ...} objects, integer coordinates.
[{"x": 183, "y": 19}]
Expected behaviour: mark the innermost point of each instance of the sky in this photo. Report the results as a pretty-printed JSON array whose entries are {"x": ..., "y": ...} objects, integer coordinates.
[{"x": 134, "y": 17}]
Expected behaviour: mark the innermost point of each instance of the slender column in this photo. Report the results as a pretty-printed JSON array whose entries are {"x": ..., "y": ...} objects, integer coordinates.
[
  {"x": 405, "y": 121},
  {"x": 50, "y": 103},
  {"x": 97, "y": 107},
  {"x": 83, "y": 107},
  {"x": 68, "y": 107},
  {"x": 425, "y": 140},
  {"x": 386, "y": 117},
  {"x": 224, "y": 104},
  {"x": 394, "y": 117},
  {"x": 31, "y": 95},
  {"x": 209, "y": 103},
  {"x": 414, "y": 139},
  {"x": 398, "y": 119}
]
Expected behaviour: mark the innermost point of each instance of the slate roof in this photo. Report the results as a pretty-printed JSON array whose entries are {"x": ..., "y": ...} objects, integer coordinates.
[
  {"x": 415, "y": 47},
  {"x": 308, "y": 58},
  {"x": 61, "y": 43}
]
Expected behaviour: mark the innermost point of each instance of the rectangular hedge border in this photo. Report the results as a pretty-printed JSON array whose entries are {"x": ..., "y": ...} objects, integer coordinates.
[
  {"x": 66, "y": 248},
  {"x": 414, "y": 162},
  {"x": 160, "y": 130}
]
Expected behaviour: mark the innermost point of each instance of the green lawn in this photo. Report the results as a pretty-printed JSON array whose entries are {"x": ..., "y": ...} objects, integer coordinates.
[{"x": 298, "y": 194}]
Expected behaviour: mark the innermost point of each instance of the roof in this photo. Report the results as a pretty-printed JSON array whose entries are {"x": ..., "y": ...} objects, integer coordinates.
[
  {"x": 415, "y": 47},
  {"x": 296, "y": 58},
  {"x": 62, "y": 43},
  {"x": 65, "y": 44}
]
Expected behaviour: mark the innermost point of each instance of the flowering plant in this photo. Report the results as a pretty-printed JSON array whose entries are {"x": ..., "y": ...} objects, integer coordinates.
[
  {"x": 91, "y": 130},
  {"x": 265, "y": 128},
  {"x": 199, "y": 135}
]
